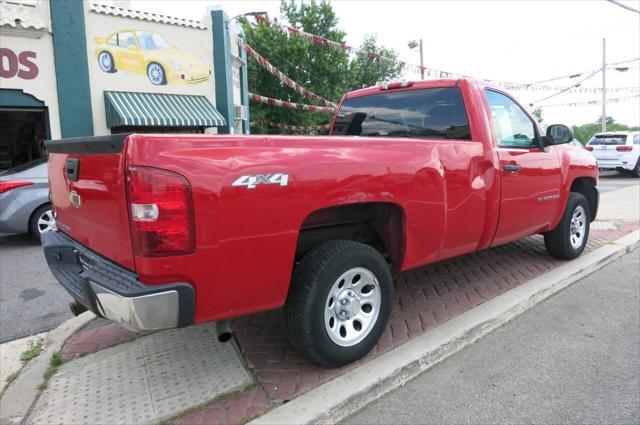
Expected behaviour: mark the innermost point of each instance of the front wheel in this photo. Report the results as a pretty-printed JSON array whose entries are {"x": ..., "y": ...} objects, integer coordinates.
[
  {"x": 569, "y": 238},
  {"x": 155, "y": 73},
  {"x": 339, "y": 302}
]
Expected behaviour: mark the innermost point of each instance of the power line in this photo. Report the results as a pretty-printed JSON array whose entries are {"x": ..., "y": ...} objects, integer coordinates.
[
  {"x": 624, "y": 6},
  {"x": 568, "y": 88}
]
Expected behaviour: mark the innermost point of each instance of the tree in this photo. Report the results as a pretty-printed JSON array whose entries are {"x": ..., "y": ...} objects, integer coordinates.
[
  {"x": 328, "y": 72},
  {"x": 537, "y": 113},
  {"x": 585, "y": 132}
]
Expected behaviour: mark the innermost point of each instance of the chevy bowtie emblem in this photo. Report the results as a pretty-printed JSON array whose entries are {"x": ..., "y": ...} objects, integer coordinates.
[{"x": 75, "y": 199}]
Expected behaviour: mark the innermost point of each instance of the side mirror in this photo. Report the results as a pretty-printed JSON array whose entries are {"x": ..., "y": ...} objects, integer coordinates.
[{"x": 558, "y": 134}]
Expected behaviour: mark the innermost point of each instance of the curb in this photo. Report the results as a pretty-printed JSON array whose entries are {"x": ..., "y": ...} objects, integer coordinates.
[
  {"x": 23, "y": 392},
  {"x": 335, "y": 400}
]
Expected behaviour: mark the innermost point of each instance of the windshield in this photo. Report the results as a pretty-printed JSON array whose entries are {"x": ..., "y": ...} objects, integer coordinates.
[
  {"x": 151, "y": 40},
  {"x": 612, "y": 140},
  {"x": 426, "y": 113}
]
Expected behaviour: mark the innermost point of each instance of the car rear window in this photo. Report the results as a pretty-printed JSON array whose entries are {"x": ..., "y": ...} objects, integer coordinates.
[
  {"x": 425, "y": 113},
  {"x": 609, "y": 139}
]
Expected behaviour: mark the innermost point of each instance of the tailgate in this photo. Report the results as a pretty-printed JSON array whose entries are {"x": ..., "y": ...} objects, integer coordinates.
[{"x": 87, "y": 182}]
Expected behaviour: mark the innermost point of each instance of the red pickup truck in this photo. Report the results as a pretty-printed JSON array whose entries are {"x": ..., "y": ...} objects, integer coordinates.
[{"x": 159, "y": 231}]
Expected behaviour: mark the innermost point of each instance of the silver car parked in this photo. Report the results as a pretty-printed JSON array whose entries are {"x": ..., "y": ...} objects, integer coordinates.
[{"x": 24, "y": 199}]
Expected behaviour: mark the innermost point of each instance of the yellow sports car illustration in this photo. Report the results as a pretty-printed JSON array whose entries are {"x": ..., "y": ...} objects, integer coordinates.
[{"x": 148, "y": 53}]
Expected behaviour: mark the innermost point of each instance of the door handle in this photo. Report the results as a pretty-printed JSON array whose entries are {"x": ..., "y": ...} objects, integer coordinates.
[{"x": 512, "y": 168}]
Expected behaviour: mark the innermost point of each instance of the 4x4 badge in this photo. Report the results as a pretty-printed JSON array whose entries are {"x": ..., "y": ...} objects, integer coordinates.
[
  {"x": 75, "y": 199},
  {"x": 252, "y": 181}
]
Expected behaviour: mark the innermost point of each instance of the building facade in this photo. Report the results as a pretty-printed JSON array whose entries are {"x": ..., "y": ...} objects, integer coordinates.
[{"x": 73, "y": 69}]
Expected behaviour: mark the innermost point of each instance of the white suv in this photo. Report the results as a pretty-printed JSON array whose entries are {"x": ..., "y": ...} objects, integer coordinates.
[{"x": 618, "y": 150}]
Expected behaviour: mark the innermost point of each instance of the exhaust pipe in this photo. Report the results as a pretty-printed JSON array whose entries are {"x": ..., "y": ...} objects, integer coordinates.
[
  {"x": 223, "y": 329},
  {"x": 76, "y": 308}
]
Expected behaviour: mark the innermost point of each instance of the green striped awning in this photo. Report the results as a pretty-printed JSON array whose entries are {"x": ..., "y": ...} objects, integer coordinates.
[{"x": 159, "y": 109}]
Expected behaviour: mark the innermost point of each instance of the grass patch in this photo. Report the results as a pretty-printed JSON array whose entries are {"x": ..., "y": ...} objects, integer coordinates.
[
  {"x": 12, "y": 377},
  {"x": 54, "y": 363},
  {"x": 34, "y": 350}
]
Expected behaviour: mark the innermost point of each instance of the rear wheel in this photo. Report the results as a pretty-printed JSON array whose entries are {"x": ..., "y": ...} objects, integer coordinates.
[
  {"x": 105, "y": 60},
  {"x": 339, "y": 302},
  {"x": 42, "y": 221},
  {"x": 569, "y": 238}
]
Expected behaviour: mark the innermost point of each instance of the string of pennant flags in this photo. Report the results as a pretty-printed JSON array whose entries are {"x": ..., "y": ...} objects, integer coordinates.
[
  {"x": 284, "y": 78},
  {"x": 428, "y": 71},
  {"x": 593, "y": 102},
  {"x": 292, "y": 127},
  {"x": 291, "y": 105}
]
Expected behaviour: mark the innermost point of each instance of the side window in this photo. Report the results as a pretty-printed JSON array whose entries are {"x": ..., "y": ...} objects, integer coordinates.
[
  {"x": 126, "y": 39},
  {"x": 636, "y": 139},
  {"x": 113, "y": 40},
  {"x": 513, "y": 127}
]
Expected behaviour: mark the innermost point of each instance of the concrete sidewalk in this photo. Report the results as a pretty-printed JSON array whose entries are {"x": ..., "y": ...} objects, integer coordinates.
[{"x": 572, "y": 359}]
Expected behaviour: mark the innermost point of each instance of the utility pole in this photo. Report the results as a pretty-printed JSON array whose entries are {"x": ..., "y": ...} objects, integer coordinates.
[{"x": 603, "y": 120}]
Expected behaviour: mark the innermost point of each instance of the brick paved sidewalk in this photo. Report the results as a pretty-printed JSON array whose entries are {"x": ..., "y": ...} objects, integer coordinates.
[{"x": 425, "y": 297}]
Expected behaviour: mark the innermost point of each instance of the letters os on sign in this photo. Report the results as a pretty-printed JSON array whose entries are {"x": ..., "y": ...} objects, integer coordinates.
[{"x": 20, "y": 65}]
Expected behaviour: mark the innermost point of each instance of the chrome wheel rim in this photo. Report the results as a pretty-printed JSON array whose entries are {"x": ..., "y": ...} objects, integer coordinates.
[
  {"x": 46, "y": 222},
  {"x": 352, "y": 306},
  {"x": 156, "y": 74},
  {"x": 104, "y": 59},
  {"x": 578, "y": 227}
]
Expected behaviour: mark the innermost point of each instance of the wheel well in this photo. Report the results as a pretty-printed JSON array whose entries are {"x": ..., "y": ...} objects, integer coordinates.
[
  {"x": 587, "y": 187},
  {"x": 378, "y": 224}
]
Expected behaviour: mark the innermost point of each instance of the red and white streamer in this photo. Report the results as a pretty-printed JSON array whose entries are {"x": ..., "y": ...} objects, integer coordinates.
[
  {"x": 285, "y": 78},
  {"x": 292, "y": 127},
  {"x": 428, "y": 71},
  {"x": 291, "y": 105}
]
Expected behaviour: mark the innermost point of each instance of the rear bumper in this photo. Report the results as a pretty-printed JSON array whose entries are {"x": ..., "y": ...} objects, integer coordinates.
[
  {"x": 113, "y": 292},
  {"x": 616, "y": 164}
]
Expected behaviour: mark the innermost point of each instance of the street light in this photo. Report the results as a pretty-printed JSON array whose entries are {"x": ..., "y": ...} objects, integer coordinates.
[{"x": 412, "y": 45}]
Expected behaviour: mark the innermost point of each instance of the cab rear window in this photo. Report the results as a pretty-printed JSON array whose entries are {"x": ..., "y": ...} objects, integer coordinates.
[
  {"x": 437, "y": 113},
  {"x": 612, "y": 140}
]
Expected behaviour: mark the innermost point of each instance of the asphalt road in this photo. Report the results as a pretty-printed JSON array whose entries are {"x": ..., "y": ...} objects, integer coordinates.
[
  {"x": 572, "y": 359},
  {"x": 31, "y": 300},
  {"x": 612, "y": 180}
]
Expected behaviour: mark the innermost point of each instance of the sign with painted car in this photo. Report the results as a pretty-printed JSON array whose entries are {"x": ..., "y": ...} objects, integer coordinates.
[{"x": 149, "y": 53}]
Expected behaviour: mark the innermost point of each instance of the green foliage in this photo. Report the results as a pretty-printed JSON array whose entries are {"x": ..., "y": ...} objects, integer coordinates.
[
  {"x": 54, "y": 363},
  {"x": 34, "y": 350},
  {"x": 537, "y": 113},
  {"x": 585, "y": 132},
  {"x": 12, "y": 377},
  {"x": 328, "y": 72}
]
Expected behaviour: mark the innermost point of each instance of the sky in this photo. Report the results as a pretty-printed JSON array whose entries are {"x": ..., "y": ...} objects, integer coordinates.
[{"x": 520, "y": 41}]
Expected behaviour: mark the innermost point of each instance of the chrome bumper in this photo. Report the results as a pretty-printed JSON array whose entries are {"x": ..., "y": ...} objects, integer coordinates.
[
  {"x": 115, "y": 293},
  {"x": 146, "y": 312}
]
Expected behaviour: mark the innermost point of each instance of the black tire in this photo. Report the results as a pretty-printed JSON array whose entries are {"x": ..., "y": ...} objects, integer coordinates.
[
  {"x": 636, "y": 170},
  {"x": 103, "y": 66},
  {"x": 34, "y": 229},
  {"x": 313, "y": 279},
  {"x": 156, "y": 79},
  {"x": 558, "y": 241}
]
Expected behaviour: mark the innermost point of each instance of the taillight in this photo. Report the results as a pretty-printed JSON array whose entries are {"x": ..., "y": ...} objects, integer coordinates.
[
  {"x": 10, "y": 185},
  {"x": 589, "y": 148},
  {"x": 624, "y": 148},
  {"x": 160, "y": 212}
]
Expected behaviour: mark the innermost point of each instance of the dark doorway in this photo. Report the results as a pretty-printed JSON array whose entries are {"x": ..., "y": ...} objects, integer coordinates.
[{"x": 22, "y": 136}]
